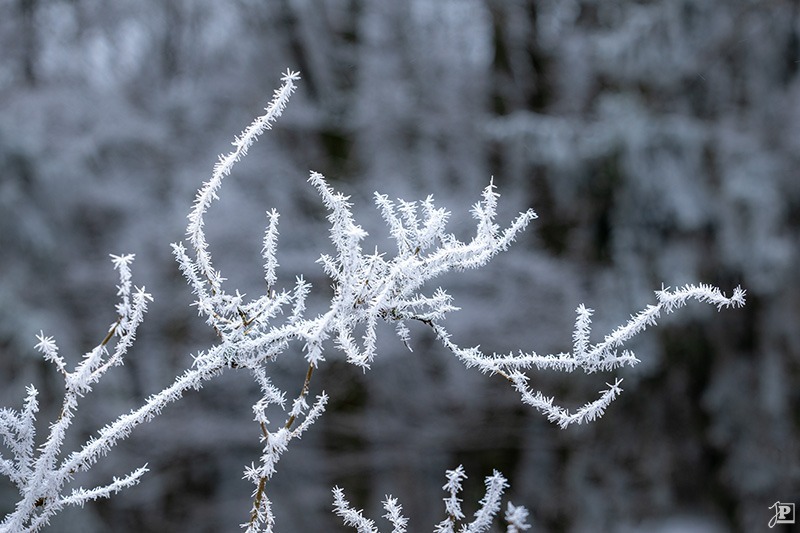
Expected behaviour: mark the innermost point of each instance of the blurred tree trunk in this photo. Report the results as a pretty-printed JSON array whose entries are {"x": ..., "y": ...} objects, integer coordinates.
[{"x": 30, "y": 40}]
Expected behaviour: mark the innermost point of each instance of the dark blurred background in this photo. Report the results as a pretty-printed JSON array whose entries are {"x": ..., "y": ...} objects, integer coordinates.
[{"x": 659, "y": 142}]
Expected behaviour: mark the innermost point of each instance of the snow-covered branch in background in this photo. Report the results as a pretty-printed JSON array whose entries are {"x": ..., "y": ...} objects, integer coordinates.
[{"x": 368, "y": 289}]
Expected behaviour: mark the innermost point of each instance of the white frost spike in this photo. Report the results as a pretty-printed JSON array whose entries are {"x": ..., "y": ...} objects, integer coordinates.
[
  {"x": 394, "y": 514},
  {"x": 496, "y": 484},
  {"x": 583, "y": 326},
  {"x": 352, "y": 517},
  {"x": 452, "y": 504},
  {"x": 517, "y": 519},
  {"x": 269, "y": 249}
]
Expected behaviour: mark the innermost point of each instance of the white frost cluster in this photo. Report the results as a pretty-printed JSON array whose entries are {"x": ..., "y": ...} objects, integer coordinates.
[
  {"x": 368, "y": 288},
  {"x": 489, "y": 505}
]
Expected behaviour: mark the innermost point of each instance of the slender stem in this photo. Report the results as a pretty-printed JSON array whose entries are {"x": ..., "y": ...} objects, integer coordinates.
[
  {"x": 262, "y": 482},
  {"x": 303, "y": 394},
  {"x": 259, "y": 496},
  {"x": 111, "y": 332}
]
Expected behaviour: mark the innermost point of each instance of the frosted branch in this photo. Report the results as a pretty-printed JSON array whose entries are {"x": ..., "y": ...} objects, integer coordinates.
[{"x": 368, "y": 288}]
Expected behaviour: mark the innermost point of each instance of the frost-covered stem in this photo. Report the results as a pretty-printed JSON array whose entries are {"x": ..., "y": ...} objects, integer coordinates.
[
  {"x": 490, "y": 504},
  {"x": 351, "y": 517},
  {"x": 269, "y": 250},
  {"x": 111, "y": 331},
  {"x": 452, "y": 503},
  {"x": 394, "y": 514},
  {"x": 124, "y": 425},
  {"x": 590, "y": 358},
  {"x": 262, "y": 481},
  {"x": 301, "y": 397},
  {"x": 208, "y": 193},
  {"x": 44, "y": 479}
]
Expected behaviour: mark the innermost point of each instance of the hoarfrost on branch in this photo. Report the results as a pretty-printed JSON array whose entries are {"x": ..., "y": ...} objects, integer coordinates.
[{"x": 368, "y": 289}]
